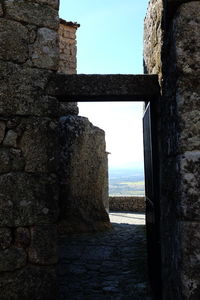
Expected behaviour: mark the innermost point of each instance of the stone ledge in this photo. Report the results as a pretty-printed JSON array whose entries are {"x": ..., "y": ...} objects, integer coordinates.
[
  {"x": 136, "y": 204},
  {"x": 104, "y": 87}
]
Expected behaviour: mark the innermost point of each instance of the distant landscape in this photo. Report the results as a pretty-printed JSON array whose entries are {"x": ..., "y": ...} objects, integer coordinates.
[{"x": 126, "y": 182}]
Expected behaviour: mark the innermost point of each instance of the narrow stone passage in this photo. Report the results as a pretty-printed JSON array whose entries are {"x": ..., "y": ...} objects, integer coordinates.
[{"x": 108, "y": 265}]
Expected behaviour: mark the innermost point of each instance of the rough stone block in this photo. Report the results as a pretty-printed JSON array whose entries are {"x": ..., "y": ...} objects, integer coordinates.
[
  {"x": 22, "y": 91},
  {"x": 5, "y": 238},
  {"x": 22, "y": 237},
  {"x": 190, "y": 232},
  {"x": 187, "y": 47},
  {"x": 94, "y": 87},
  {"x": 5, "y": 163},
  {"x": 189, "y": 138},
  {"x": 13, "y": 122},
  {"x": 188, "y": 97},
  {"x": 68, "y": 108},
  {"x": 17, "y": 160},
  {"x": 33, "y": 283},
  {"x": 1, "y": 10},
  {"x": 2, "y": 130},
  {"x": 11, "y": 159},
  {"x": 186, "y": 36},
  {"x": 177, "y": 1},
  {"x": 53, "y": 3},
  {"x": 32, "y": 13},
  {"x": 190, "y": 185},
  {"x": 32, "y": 29},
  {"x": 83, "y": 175},
  {"x": 28, "y": 199},
  {"x": 12, "y": 259},
  {"x": 39, "y": 144},
  {"x": 14, "y": 41},
  {"x": 10, "y": 139},
  {"x": 43, "y": 247},
  {"x": 45, "y": 51},
  {"x": 153, "y": 37},
  {"x": 187, "y": 94}
]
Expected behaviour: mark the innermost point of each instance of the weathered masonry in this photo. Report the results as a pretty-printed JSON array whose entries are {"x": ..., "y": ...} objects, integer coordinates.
[
  {"x": 172, "y": 49},
  {"x": 67, "y": 46},
  {"x": 124, "y": 203},
  {"x": 43, "y": 141},
  {"x": 45, "y": 164}
]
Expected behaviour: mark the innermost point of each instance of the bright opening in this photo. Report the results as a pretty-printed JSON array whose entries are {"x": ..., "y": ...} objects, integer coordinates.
[{"x": 122, "y": 123}]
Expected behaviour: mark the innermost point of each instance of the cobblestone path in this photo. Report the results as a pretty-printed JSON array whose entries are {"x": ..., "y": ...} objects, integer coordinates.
[{"x": 109, "y": 265}]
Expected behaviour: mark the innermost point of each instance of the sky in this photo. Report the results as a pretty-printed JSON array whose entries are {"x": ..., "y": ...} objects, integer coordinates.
[{"x": 110, "y": 41}]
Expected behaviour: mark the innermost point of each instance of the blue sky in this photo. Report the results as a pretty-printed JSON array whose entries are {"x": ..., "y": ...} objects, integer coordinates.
[
  {"x": 110, "y": 41},
  {"x": 110, "y": 38}
]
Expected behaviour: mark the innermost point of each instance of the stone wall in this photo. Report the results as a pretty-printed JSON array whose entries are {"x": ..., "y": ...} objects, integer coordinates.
[
  {"x": 29, "y": 191},
  {"x": 67, "y": 46},
  {"x": 153, "y": 36},
  {"x": 84, "y": 176},
  {"x": 31, "y": 151},
  {"x": 172, "y": 50},
  {"x": 135, "y": 204}
]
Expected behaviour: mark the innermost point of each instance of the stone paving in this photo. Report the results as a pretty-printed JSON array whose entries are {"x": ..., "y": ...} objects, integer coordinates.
[{"x": 107, "y": 265}]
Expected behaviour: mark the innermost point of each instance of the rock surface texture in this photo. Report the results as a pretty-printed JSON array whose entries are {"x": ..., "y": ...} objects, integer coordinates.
[
  {"x": 172, "y": 47},
  {"x": 153, "y": 38},
  {"x": 94, "y": 87},
  {"x": 136, "y": 204},
  {"x": 29, "y": 181},
  {"x": 84, "y": 173},
  {"x": 109, "y": 265},
  {"x": 67, "y": 46}
]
